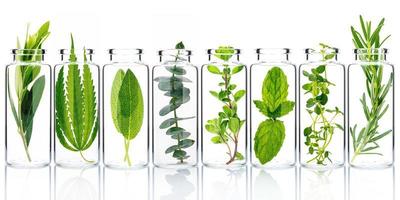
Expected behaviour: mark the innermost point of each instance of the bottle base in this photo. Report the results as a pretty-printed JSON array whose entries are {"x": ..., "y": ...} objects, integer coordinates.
[
  {"x": 274, "y": 165},
  {"x": 75, "y": 164},
  {"x": 371, "y": 165},
  {"x": 224, "y": 166},
  {"x": 175, "y": 165},
  {"x": 118, "y": 165},
  {"x": 322, "y": 167},
  {"x": 30, "y": 165}
]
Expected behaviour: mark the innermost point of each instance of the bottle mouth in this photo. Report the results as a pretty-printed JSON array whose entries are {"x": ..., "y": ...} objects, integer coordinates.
[
  {"x": 370, "y": 51},
  {"x": 79, "y": 52},
  {"x": 217, "y": 52},
  {"x": 28, "y": 51},
  {"x": 175, "y": 52},
  {"x": 311, "y": 51},
  {"x": 125, "y": 51},
  {"x": 273, "y": 51}
]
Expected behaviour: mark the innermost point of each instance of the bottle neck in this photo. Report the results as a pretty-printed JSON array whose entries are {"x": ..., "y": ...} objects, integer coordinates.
[
  {"x": 69, "y": 56},
  {"x": 175, "y": 55},
  {"x": 28, "y": 55},
  {"x": 370, "y": 55},
  {"x": 322, "y": 56},
  {"x": 273, "y": 55},
  {"x": 125, "y": 55},
  {"x": 227, "y": 56}
]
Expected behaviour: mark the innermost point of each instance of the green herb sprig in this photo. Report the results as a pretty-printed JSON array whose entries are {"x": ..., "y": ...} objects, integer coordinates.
[
  {"x": 75, "y": 105},
  {"x": 174, "y": 87},
  {"x": 227, "y": 125},
  {"x": 270, "y": 133},
  {"x": 365, "y": 142},
  {"x": 127, "y": 107},
  {"x": 322, "y": 129},
  {"x": 29, "y": 86}
]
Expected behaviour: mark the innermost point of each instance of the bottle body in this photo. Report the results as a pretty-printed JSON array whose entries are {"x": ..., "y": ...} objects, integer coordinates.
[
  {"x": 125, "y": 110},
  {"x": 371, "y": 110},
  {"x": 321, "y": 115},
  {"x": 273, "y": 149},
  {"x": 76, "y": 111},
  {"x": 224, "y": 111},
  {"x": 28, "y": 110},
  {"x": 175, "y": 110}
]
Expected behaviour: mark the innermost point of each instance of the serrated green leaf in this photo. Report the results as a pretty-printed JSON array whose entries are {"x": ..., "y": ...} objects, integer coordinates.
[
  {"x": 268, "y": 140},
  {"x": 275, "y": 88}
]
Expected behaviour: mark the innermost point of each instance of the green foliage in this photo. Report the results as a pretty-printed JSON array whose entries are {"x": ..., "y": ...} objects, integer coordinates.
[
  {"x": 274, "y": 104},
  {"x": 365, "y": 142},
  {"x": 29, "y": 86},
  {"x": 174, "y": 87},
  {"x": 227, "y": 125},
  {"x": 75, "y": 105},
  {"x": 319, "y": 134},
  {"x": 127, "y": 107}
]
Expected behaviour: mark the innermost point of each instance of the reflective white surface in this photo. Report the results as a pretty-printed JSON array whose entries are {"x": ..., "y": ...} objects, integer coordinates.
[{"x": 198, "y": 183}]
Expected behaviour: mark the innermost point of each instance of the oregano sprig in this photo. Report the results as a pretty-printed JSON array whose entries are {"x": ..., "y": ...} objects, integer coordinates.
[
  {"x": 323, "y": 126},
  {"x": 174, "y": 88},
  {"x": 226, "y": 127},
  {"x": 365, "y": 141}
]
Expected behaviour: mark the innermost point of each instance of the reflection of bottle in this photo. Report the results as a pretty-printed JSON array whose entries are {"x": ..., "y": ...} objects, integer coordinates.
[
  {"x": 180, "y": 186},
  {"x": 266, "y": 186},
  {"x": 322, "y": 184},
  {"x": 77, "y": 184},
  {"x": 224, "y": 184},
  {"x": 22, "y": 184}
]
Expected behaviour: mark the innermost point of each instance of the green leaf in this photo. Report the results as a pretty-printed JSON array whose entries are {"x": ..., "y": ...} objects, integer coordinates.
[
  {"x": 168, "y": 108},
  {"x": 275, "y": 88},
  {"x": 239, "y": 156},
  {"x": 179, "y": 154},
  {"x": 172, "y": 149},
  {"x": 323, "y": 99},
  {"x": 116, "y": 86},
  {"x": 213, "y": 69},
  {"x": 239, "y": 94},
  {"x": 186, "y": 143},
  {"x": 131, "y": 106},
  {"x": 224, "y": 52},
  {"x": 180, "y": 45},
  {"x": 176, "y": 70},
  {"x": 237, "y": 69},
  {"x": 268, "y": 140},
  {"x": 169, "y": 122},
  {"x": 234, "y": 125}
]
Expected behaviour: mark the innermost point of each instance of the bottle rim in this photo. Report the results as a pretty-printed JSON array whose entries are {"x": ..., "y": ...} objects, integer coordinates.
[
  {"x": 127, "y": 51},
  {"x": 28, "y": 51},
  {"x": 68, "y": 51},
  {"x": 214, "y": 52},
  {"x": 174, "y": 52},
  {"x": 328, "y": 51},
  {"x": 371, "y": 51},
  {"x": 273, "y": 51}
]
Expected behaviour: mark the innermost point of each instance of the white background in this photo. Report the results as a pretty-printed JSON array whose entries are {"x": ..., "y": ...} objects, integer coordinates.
[{"x": 154, "y": 25}]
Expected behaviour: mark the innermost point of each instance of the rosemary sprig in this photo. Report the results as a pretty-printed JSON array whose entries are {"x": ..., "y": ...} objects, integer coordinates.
[{"x": 365, "y": 142}]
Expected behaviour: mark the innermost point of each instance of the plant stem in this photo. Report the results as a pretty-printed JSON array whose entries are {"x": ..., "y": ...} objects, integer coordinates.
[
  {"x": 127, "y": 158},
  {"x": 175, "y": 114},
  {"x": 83, "y": 157},
  {"x": 25, "y": 145}
]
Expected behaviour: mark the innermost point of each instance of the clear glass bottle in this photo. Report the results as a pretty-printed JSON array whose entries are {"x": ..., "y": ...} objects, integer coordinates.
[
  {"x": 175, "y": 110},
  {"x": 273, "y": 108},
  {"x": 322, "y": 107},
  {"x": 224, "y": 111},
  {"x": 371, "y": 109},
  {"x": 125, "y": 110},
  {"x": 28, "y": 110},
  {"x": 76, "y": 109}
]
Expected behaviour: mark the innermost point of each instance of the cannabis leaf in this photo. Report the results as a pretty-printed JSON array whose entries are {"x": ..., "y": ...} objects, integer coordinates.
[
  {"x": 174, "y": 87},
  {"x": 29, "y": 86},
  {"x": 127, "y": 107},
  {"x": 365, "y": 141},
  {"x": 227, "y": 125},
  {"x": 75, "y": 104},
  {"x": 270, "y": 134}
]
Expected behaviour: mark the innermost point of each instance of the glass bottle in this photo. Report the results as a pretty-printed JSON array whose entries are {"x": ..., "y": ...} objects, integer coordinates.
[
  {"x": 125, "y": 110},
  {"x": 224, "y": 100},
  {"x": 175, "y": 110},
  {"x": 371, "y": 109},
  {"x": 273, "y": 108},
  {"x": 28, "y": 110},
  {"x": 76, "y": 109},
  {"x": 322, "y": 107}
]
